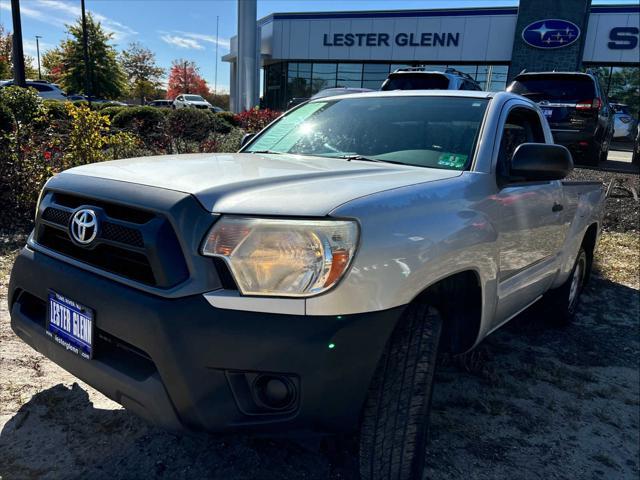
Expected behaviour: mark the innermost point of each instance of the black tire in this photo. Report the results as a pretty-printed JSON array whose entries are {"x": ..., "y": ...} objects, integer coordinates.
[
  {"x": 393, "y": 434},
  {"x": 604, "y": 148},
  {"x": 591, "y": 157},
  {"x": 564, "y": 300}
]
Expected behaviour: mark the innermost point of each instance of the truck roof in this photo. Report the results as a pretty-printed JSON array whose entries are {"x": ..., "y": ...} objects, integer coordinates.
[{"x": 425, "y": 93}]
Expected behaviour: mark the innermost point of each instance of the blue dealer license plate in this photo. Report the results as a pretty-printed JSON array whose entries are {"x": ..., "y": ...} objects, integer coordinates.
[{"x": 70, "y": 325}]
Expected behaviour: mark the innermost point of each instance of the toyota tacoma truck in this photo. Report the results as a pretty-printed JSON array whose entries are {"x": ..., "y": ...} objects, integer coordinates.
[{"x": 306, "y": 284}]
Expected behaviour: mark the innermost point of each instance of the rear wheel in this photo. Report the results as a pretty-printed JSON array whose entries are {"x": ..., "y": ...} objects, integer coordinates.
[
  {"x": 564, "y": 300},
  {"x": 604, "y": 148},
  {"x": 393, "y": 435}
]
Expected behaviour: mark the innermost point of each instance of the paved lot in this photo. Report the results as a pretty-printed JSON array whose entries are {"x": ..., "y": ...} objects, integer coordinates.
[{"x": 619, "y": 156}]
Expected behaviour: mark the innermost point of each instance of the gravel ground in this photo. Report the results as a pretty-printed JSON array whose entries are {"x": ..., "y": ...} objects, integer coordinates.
[
  {"x": 533, "y": 401},
  {"x": 623, "y": 208}
]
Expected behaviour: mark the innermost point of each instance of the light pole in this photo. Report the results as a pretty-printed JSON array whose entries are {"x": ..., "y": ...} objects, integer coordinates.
[
  {"x": 85, "y": 51},
  {"x": 18, "y": 55},
  {"x": 38, "y": 37},
  {"x": 215, "y": 81}
]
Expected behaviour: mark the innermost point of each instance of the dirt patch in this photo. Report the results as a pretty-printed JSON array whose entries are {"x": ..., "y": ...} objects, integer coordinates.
[
  {"x": 623, "y": 207},
  {"x": 533, "y": 401}
]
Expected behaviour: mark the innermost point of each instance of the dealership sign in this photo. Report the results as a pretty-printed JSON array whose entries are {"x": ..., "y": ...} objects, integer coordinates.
[
  {"x": 401, "y": 39},
  {"x": 551, "y": 33}
]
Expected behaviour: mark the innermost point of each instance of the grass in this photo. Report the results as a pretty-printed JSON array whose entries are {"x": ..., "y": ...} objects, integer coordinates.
[{"x": 617, "y": 258}]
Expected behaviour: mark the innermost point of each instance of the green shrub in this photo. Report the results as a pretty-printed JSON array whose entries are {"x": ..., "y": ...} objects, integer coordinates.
[
  {"x": 223, "y": 143},
  {"x": 6, "y": 120},
  {"x": 112, "y": 111},
  {"x": 83, "y": 103},
  {"x": 56, "y": 110},
  {"x": 123, "y": 145},
  {"x": 195, "y": 125},
  {"x": 23, "y": 104},
  {"x": 141, "y": 120},
  {"x": 87, "y": 137},
  {"x": 229, "y": 117}
]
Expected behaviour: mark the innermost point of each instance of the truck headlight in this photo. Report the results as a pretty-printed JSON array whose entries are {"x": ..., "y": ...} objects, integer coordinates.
[{"x": 283, "y": 257}]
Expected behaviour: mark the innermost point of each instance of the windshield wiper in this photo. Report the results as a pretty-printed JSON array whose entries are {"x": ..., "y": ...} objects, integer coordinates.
[
  {"x": 265, "y": 151},
  {"x": 348, "y": 158}
]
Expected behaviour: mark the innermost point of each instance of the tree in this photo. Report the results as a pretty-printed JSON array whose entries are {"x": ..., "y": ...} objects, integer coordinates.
[
  {"x": 219, "y": 100},
  {"x": 185, "y": 78},
  {"x": 6, "y": 57},
  {"x": 106, "y": 75},
  {"x": 53, "y": 64},
  {"x": 139, "y": 65},
  {"x": 5, "y": 53}
]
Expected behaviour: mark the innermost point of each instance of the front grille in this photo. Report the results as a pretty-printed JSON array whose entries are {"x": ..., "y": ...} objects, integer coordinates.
[
  {"x": 121, "y": 234},
  {"x": 132, "y": 243},
  {"x": 116, "y": 260},
  {"x": 113, "y": 210},
  {"x": 57, "y": 216}
]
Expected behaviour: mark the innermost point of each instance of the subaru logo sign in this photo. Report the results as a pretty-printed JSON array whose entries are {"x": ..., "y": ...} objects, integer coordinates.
[
  {"x": 551, "y": 33},
  {"x": 84, "y": 226}
]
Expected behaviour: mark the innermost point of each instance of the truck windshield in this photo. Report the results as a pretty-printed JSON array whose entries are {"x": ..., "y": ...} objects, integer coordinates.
[{"x": 426, "y": 131}]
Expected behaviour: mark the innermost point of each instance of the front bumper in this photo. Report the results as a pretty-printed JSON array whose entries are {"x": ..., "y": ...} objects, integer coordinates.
[{"x": 183, "y": 364}]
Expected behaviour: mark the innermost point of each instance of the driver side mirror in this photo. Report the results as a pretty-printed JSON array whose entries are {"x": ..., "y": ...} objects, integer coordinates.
[
  {"x": 246, "y": 139},
  {"x": 540, "y": 162}
]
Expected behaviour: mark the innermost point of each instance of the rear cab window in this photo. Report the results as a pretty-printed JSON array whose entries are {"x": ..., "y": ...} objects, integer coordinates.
[{"x": 416, "y": 81}]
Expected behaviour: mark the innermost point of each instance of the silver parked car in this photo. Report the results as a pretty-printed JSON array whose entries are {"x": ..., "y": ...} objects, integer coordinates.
[
  {"x": 187, "y": 100},
  {"x": 624, "y": 124},
  {"x": 306, "y": 284}
]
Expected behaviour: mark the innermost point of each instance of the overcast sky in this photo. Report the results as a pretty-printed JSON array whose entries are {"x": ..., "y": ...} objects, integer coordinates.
[{"x": 187, "y": 28}]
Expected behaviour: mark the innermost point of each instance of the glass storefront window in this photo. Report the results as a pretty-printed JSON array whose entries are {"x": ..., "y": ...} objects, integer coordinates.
[
  {"x": 285, "y": 81},
  {"x": 374, "y": 74},
  {"x": 349, "y": 75},
  {"x": 298, "y": 80},
  {"x": 323, "y": 76}
]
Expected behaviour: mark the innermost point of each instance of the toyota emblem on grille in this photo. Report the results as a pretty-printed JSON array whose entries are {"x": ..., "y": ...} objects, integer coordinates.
[{"x": 84, "y": 226}]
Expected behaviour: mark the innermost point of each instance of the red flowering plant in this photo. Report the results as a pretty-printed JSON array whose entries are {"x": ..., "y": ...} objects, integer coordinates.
[{"x": 256, "y": 119}]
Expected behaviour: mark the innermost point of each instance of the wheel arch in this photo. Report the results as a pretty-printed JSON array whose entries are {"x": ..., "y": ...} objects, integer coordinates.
[
  {"x": 459, "y": 299},
  {"x": 589, "y": 244}
]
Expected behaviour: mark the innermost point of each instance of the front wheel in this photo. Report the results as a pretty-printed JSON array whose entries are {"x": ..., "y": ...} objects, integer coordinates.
[{"x": 393, "y": 435}]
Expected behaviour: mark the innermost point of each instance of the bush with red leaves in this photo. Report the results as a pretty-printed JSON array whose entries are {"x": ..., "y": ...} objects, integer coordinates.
[{"x": 256, "y": 119}]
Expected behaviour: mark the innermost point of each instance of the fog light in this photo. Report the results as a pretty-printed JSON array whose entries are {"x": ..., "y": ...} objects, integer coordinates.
[{"x": 274, "y": 392}]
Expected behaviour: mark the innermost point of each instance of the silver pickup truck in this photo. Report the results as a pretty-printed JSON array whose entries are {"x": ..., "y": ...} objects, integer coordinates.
[{"x": 307, "y": 283}]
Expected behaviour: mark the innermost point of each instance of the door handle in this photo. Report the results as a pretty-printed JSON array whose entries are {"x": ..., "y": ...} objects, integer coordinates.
[{"x": 557, "y": 207}]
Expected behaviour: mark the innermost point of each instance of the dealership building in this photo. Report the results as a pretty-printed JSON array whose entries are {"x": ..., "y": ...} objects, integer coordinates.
[{"x": 300, "y": 54}]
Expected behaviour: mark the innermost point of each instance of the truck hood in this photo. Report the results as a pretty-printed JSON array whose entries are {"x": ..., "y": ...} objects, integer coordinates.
[{"x": 246, "y": 183}]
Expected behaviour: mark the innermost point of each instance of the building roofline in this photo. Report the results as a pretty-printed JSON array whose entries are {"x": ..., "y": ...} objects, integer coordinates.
[
  {"x": 444, "y": 12},
  {"x": 507, "y": 10}
]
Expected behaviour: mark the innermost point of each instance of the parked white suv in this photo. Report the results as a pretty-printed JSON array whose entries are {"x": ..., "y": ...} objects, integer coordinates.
[
  {"x": 419, "y": 78},
  {"x": 46, "y": 90},
  {"x": 187, "y": 100}
]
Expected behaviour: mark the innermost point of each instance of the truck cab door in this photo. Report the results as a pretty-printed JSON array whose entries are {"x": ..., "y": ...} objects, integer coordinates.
[{"x": 528, "y": 219}]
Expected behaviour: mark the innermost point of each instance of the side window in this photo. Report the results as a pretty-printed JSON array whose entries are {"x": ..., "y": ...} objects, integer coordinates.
[
  {"x": 41, "y": 88},
  {"x": 522, "y": 126}
]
